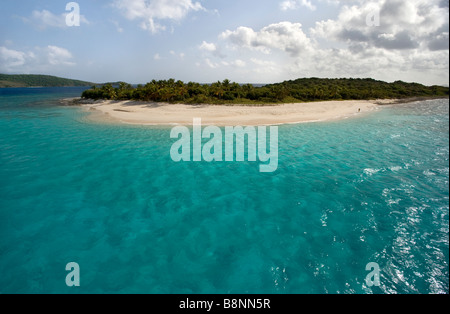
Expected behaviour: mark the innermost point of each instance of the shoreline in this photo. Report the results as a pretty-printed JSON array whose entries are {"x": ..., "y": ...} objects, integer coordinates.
[
  {"x": 164, "y": 114},
  {"x": 410, "y": 100}
]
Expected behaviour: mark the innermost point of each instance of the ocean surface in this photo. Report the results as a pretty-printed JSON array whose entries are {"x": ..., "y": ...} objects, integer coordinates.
[{"x": 370, "y": 189}]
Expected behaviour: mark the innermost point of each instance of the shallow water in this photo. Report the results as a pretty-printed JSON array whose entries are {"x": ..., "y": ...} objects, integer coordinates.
[{"x": 109, "y": 197}]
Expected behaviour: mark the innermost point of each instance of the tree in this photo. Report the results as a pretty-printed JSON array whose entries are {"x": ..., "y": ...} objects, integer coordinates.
[
  {"x": 217, "y": 90},
  {"x": 228, "y": 92},
  {"x": 226, "y": 84},
  {"x": 109, "y": 92}
]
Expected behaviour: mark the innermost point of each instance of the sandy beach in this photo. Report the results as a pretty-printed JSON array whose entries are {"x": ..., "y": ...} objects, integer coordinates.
[{"x": 133, "y": 112}]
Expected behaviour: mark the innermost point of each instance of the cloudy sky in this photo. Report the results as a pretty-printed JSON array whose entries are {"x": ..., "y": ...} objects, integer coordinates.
[{"x": 257, "y": 41}]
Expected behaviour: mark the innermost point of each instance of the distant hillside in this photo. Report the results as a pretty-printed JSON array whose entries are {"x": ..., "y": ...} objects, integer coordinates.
[
  {"x": 31, "y": 80},
  {"x": 310, "y": 89}
]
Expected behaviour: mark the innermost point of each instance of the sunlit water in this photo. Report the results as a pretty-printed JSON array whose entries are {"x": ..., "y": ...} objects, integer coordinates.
[{"x": 109, "y": 197}]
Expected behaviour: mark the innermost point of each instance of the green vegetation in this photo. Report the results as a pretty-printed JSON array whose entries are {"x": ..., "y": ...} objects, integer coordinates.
[
  {"x": 30, "y": 80},
  {"x": 301, "y": 90}
]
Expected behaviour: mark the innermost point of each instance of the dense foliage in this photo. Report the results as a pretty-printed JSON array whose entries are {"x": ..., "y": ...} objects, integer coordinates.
[
  {"x": 301, "y": 90},
  {"x": 30, "y": 80}
]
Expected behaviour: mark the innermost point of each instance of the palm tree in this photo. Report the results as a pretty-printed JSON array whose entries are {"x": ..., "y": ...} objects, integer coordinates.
[
  {"x": 226, "y": 84},
  {"x": 217, "y": 90}
]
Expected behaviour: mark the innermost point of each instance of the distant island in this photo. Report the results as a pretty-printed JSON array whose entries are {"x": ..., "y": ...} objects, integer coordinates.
[
  {"x": 300, "y": 90},
  {"x": 32, "y": 80}
]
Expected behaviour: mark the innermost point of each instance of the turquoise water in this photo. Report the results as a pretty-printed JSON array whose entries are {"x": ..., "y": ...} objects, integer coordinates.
[{"x": 109, "y": 197}]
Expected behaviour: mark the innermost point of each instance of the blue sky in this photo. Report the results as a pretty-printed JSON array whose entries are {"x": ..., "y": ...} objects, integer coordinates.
[{"x": 257, "y": 41}]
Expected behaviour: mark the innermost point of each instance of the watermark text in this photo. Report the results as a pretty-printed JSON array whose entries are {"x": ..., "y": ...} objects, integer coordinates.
[{"x": 235, "y": 140}]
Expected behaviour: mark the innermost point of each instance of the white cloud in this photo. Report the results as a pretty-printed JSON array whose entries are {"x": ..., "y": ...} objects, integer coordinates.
[
  {"x": 40, "y": 60},
  {"x": 11, "y": 58},
  {"x": 45, "y": 19},
  {"x": 239, "y": 63},
  {"x": 211, "y": 64},
  {"x": 403, "y": 24},
  {"x": 212, "y": 49},
  {"x": 296, "y": 4},
  {"x": 285, "y": 36},
  {"x": 59, "y": 56},
  {"x": 410, "y": 44},
  {"x": 208, "y": 46},
  {"x": 150, "y": 13},
  {"x": 379, "y": 63}
]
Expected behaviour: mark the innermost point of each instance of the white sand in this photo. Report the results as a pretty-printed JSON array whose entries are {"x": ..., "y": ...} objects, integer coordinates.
[{"x": 133, "y": 112}]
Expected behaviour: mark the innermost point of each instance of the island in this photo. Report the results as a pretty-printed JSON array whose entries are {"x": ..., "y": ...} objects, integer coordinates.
[
  {"x": 300, "y": 90},
  {"x": 171, "y": 102},
  {"x": 34, "y": 80}
]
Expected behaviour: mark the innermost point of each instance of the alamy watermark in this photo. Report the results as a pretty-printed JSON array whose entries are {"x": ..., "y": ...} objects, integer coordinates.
[
  {"x": 73, "y": 17},
  {"x": 373, "y": 278},
  {"x": 373, "y": 19},
  {"x": 73, "y": 277},
  {"x": 257, "y": 147}
]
